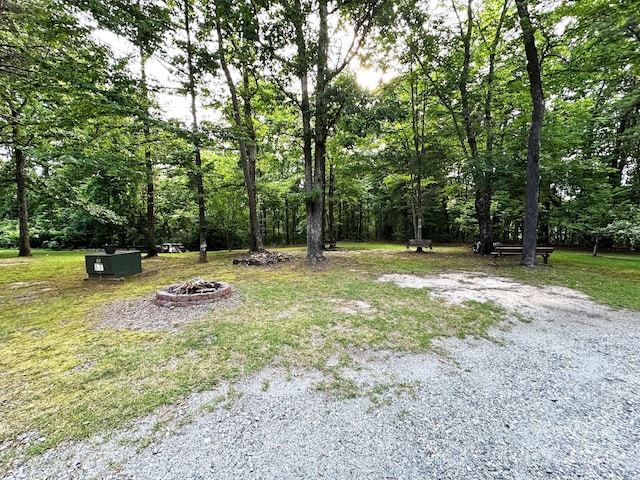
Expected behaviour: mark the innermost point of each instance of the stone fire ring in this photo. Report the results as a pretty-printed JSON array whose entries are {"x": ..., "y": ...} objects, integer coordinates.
[{"x": 167, "y": 299}]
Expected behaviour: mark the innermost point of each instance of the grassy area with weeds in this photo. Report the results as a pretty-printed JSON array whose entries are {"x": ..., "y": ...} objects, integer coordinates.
[
  {"x": 62, "y": 378},
  {"x": 612, "y": 279}
]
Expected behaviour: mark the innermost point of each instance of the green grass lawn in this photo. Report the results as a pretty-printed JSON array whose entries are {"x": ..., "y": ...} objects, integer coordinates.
[{"x": 63, "y": 378}]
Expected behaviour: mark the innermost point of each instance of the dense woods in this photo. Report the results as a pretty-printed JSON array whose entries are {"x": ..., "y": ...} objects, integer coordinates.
[{"x": 490, "y": 120}]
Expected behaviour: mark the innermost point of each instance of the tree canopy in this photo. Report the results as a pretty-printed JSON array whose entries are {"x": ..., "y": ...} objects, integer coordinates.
[{"x": 283, "y": 145}]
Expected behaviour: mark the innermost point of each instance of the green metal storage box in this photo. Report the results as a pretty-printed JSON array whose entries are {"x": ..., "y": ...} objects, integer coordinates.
[{"x": 115, "y": 265}]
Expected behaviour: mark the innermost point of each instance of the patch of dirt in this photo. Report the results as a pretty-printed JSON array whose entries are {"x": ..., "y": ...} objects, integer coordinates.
[
  {"x": 28, "y": 291},
  {"x": 16, "y": 285},
  {"x": 529, "y": 301},
  {"x": 288, "y": 313},
  {"x": 352, "y": 307},
  {"x": 9, "y": 263}
]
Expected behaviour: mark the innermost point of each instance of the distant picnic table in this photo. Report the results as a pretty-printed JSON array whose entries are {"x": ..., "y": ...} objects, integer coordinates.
[
  {"x": 172, "y": 248},
  {"x": 504, "y": 250},
  {"x": 420, "y": 244}
]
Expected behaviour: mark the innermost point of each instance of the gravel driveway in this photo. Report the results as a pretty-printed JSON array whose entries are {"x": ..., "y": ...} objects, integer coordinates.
[{"x": 556, "y": 396}]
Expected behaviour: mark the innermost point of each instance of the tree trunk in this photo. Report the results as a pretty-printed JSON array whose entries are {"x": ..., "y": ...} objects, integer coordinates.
[
  {"x": 618, "y": 157},
  {"x": 150, "y": 240},
  {"x": 315, "y": 201},
  {"x": 484, "y": 191},
  {"x": 202, "y": 217},
  {"x": 24, "y": 246},
  {"x": 418, "y": 118},
  {"x": 483, "y": 212},
  {"x": 417, "y": 210},
  {"x": 545, "y": 228},
  {"x": 340, "y": 233},
  {"x": 202, "y": 220},
  {"x": 482, "y": 166},
  {"x": 535, "y": 132},
  {"x": 256, "y": 244},
  {"x": 287, "y": 237},
  {"x": 483, "y": 187},
  {"x": 152, "y": 250},
  {"x": 243, "y": 119},
  {"x": 331, "y": 210},
  {"x": 312, "y": 186}
]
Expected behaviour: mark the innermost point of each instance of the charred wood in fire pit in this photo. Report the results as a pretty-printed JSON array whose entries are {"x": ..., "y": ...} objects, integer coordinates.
[{"x": 195, "y": 285}]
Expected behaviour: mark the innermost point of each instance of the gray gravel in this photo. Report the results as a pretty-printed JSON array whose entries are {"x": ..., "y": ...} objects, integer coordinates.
[
  {"x": 143, "y": 314},
  {"x": 556, "y": 396}
]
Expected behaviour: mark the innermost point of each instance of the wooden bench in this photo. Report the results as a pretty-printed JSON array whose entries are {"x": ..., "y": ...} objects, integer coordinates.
[
  {"x": 420, "y": 244},
  {"x": 504, "y": 250}
]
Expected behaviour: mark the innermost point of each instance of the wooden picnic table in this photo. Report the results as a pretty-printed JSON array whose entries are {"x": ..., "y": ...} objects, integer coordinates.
[
  {"x": 420, "y": 244},
  {"x": 504, "y": 250},
  {"x": 173, "y": 248}
]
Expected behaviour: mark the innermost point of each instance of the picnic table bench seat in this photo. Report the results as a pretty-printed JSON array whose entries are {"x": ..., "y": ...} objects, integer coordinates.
[
  {"x": 504, "y": 250},
  {"x": 329, "y": 244}
]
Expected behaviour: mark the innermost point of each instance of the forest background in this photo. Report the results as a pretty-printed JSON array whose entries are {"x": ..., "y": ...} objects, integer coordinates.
[{"x": 283, "y": 138}]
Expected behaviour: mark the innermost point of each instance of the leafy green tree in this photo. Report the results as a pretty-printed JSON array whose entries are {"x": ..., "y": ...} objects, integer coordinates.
[
  {"x": 462, "y": 56},
  {"x": 144, "y": 24},
  {"x": 530, "y": 234},
  {"x": 278, "y": 163},
  {"x": 626, "y": 231},
  {"x": 414, "y": 141},
  {"x": 603, "y": 63},
  {"x": 54, "y": 79},
  {"x": 349, "y": 181},
  {"x": 237, "y": 36},
  {"x": 83, "y": 144},
  {"x": 298, "y": 42},
  {"x": 192, "y": 72}
]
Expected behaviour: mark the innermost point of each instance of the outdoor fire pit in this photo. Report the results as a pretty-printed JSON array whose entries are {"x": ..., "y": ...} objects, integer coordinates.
[{"x": 196, "y": 291}]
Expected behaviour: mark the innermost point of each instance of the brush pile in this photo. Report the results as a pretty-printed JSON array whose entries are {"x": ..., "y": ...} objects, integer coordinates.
[{"x": 262, "y": 259}]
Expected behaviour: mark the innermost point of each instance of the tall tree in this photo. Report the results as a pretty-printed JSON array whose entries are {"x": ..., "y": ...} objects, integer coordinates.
[
  {"x": 191, "y": 72},
  {"x": 150, "y": 237},
  {"x": 144, "y": 24},
  {"x": 419, "y": 103},
  {"x": 482, "y": 162},
  {"x": 303, "y": 26},
  {"x": 530, "y": 233},
  {"x": 411, "y": 119},
  {"x": 448, "y": 51},
  {"x": 42, "y": 47},
  {"x": 19, "y": 26},
  {"x": 236, "y": 30},
  {"x": 603, "y": 41},
  {"x": 152, "y": 21}
]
